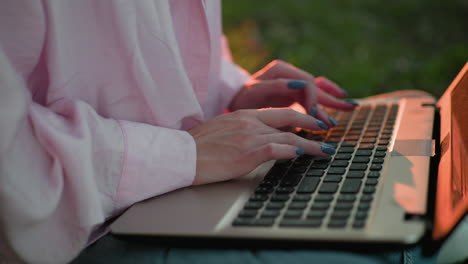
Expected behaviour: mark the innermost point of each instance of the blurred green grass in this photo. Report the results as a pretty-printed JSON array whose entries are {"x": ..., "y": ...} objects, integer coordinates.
[{"x": 366, "y": 46}]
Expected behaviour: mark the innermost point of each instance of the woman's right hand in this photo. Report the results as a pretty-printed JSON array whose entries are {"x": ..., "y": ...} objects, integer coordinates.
[{"x": 234, "y": 144}]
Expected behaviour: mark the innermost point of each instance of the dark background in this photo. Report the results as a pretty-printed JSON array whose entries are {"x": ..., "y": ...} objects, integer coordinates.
[{"x": 366, "y": 46}]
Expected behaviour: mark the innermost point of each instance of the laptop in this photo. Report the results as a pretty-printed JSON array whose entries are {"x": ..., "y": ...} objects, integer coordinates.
[{"x": 399, "y": 177}]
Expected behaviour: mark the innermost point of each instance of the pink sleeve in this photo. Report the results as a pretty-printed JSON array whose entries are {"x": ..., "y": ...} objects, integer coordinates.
[
  {"x": 64, "y": 169},
  {"x": 233, "y": 77}
]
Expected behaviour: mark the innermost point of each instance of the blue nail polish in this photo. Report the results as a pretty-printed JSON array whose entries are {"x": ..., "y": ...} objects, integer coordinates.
[
  {"x": 352, "y": 102},
  {"x": 299, "y": 151},
  {"x": 322, "y": 125},
  {"x": 333, "y": 121},
  {"x": 326, "y": 148},
  {"x": 297, "y": 84},
  {"x": 313, "y": 111}
]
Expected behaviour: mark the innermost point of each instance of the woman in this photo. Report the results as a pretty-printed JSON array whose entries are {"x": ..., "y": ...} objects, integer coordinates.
[{"x": 107, "y": 103}]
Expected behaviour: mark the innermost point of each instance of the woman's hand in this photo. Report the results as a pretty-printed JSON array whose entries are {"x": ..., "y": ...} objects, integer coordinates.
[
  {"x": 280, "y": 84},
  {"x": 233, "y": 144}
]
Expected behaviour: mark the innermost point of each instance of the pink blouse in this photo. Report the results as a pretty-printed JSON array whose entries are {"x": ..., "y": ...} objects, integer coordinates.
[{"x": 95, "y": 100}]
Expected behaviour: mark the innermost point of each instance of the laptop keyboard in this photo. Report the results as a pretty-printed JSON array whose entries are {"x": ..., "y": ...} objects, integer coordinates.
[{"x": 332, "y": 192}]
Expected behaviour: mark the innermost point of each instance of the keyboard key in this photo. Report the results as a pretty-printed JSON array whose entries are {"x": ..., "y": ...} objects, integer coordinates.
[
  {"x": 298, "y": 168},
  {"x": 297, "y": 205},
  {"x": 364, "y": 206},
  {"x": 259, "y": 197},
  {"x": 361, "y": 215},
  {"x": 324, "y": 197},
  {"x": 308, "y": 185},
  {"x": 355, "y": 174},
  {"x": 302, "y": 197},
  {"x": 367, "y": 197},
  {"x": 332, "y": 178},
  {"x": 351, "y": 186},
  {"x": 328, "y": 187},
  {"x": 351, "y": 137},
  {"x": 373, "y": 174},
  {"x": 318, "y": 165},
  {"x": 369, "y": 189},
  {"x": 372, "y": 181},
  {"x": 263, "y": 190},
  {"x": 293, "y": 214},
  {"x": 280, "y": 197},
  {"x": 366, "y": 146},
  {"x": 364, "y": 153},
  {"x": 346, "y": 198},
  {"x": 359, "y": 224},
  {"x": 383, "y": 142},
  {"x": 264, "y": 222},
  {"x": 338, "y": 223},
  {"x": 336, "y": 170},
  {"x": 340, "y": 163},
  {"x": 368, "y": 140},
  {"x": 361, "y": 159},
  {"x": 375, "y": 167},
  {"x": 301, "y": 223},
  {"x": 378, "y": 160},
  {"x": 348, "y": 144},
  {"x": 372, "y": 129},
  {"x": 343, "y": 156},
  {"x": 315, "y": 172},
  {"x": 253, "y": 205},
  {"x": 243, "y": 221},
  {"x": 248, "y": 213},
  {"x": 270, "y": 213},
  {"x": 269, "y": 183},
  {"x": 291, "y": 179},
  {"x": 285, "y": 189},
  {"x": 340, "y": 214},
  {"x": 316, "y": 214},
  {"x": 346, "y": 206},
  {"x": 319, "y": 206},
  {"x": 346, "y": 150},
  {"x": 380, "y": 154},
  {"x": 323, "y": 159},
  {"x": 358, "y": 166},
  {"x": 355, "y": 132},
  {"x": 275, "y": 205}
]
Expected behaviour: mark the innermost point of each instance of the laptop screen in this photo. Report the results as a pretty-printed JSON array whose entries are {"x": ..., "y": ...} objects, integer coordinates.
[{"x": 452, "y": 182}]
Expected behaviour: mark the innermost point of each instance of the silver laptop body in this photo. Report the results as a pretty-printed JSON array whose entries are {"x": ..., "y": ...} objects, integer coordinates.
[{"x": 211, "y": 211}]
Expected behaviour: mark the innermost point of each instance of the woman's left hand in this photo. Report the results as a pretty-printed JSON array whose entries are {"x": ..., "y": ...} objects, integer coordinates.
[{"x": 280, "y": 84}]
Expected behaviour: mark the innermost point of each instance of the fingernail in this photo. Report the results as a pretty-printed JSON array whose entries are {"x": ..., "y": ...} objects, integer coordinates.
[
  {"x": 326, "y": 148},
  {"x": 322, "y": 125},
  {"x": 333, "y": 121},
  {"x": 352, "y": 102},
  {"x": 299, "y": 151},
  {"x": 343, "y": 91},
  {"x": 313, "y": 111},
  {"x": 297, "y": 84}
]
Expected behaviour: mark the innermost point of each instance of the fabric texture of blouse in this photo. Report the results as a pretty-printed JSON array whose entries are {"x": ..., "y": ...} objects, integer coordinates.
[{"x": 96, "y": 98}]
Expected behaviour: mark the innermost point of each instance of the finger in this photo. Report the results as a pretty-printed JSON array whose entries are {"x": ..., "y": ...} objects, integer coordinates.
[
  {"x": 280, "y": 69},
  {"x": 286, "y": 117},
  {"x": 274, "y": 151},
  {"x": 282, "y": 86},
  {"x": 309, "y": 146},
  {"x": 324, "y": 117},
  {"x": 331, "y": 101},
  {"x": 330, "y": 87},
  {"x": 280, "y": 92}
]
